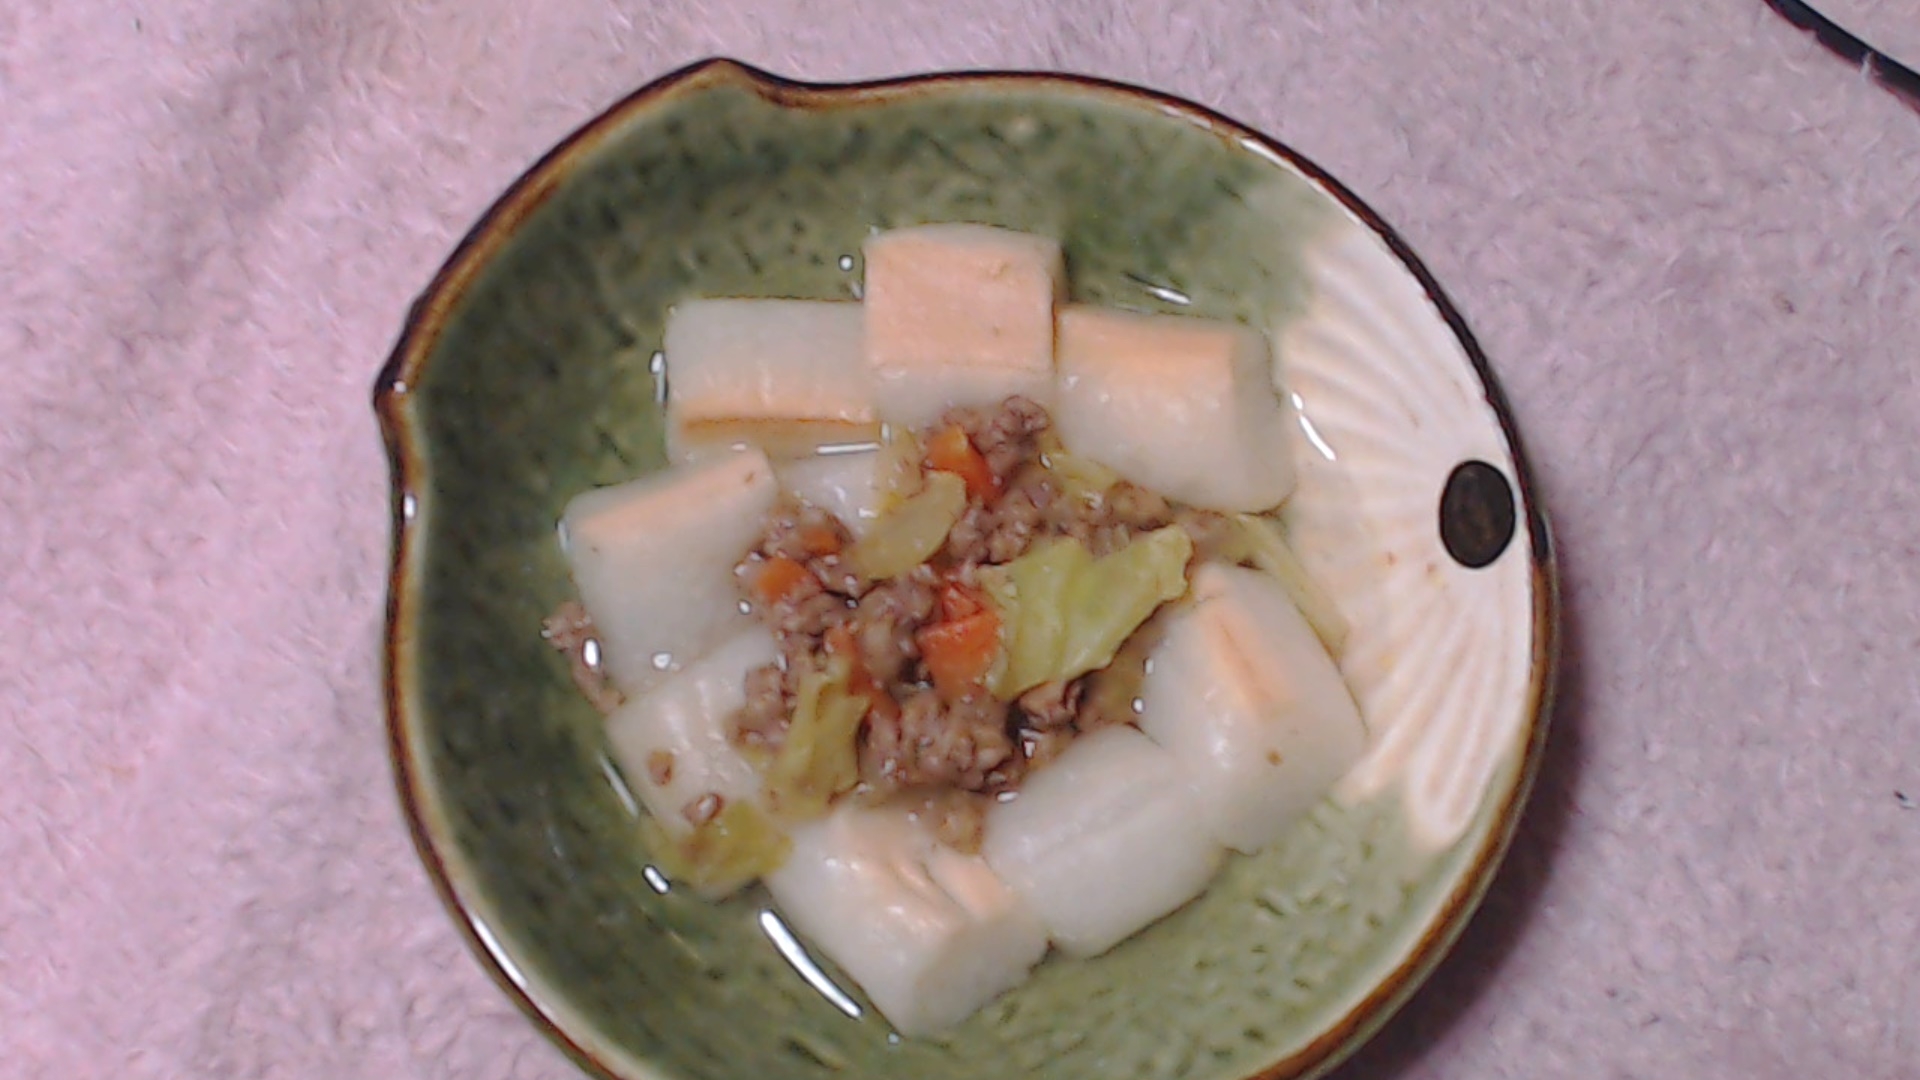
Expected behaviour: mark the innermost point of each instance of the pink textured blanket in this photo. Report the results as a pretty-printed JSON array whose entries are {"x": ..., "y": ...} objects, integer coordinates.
[{"x": 1689, "y": 240}]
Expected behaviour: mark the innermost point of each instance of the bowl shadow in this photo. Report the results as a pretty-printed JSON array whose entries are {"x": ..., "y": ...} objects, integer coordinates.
[{"x": 1512, "y": 901}]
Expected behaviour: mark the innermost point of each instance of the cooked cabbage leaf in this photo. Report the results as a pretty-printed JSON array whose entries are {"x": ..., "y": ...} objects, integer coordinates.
[
  {"x": 1079, "y": 477},
  {"x": 1064, "y": 613},
  {"x": 897, "y": 474},
  {"x": 909, "y": 534},
  {"x": 820, "y": 757},
  {"x": 720, "y": 856}
]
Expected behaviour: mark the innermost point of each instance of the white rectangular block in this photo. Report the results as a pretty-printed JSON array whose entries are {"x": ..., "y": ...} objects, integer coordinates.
[
  {"x": 1183, "y": 406},
  {"x": 959, "y": 315},
  {"x": 841, "y": 484},
  {"x": 671, "y": 742},
  {"x": 653, "y": 560},
  {"x": 1103, "y": 841},
  {"x": 1244, "y": 695},
  {"x": 928, "y": 933},
  {"x": 786, "y": 376}
]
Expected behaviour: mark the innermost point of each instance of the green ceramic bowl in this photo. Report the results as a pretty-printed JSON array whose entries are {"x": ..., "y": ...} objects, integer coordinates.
[{"x": 528, "y": 373}]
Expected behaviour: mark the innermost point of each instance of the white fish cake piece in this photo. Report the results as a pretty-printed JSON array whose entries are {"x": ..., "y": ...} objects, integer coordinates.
[
  {"x": 787, "y": 376},
  {"x": 928, "y": 933},
  {"x": 842, "y": 484},
  {"x": 1103, "y": 841},
  {"x": 959, "y": 315},
  {"x": 1244, "y": 695},
  {"x": 653, "y": 561},
  {"x": 1184, "y": 406},
  {"x": 671, "y": 742}
]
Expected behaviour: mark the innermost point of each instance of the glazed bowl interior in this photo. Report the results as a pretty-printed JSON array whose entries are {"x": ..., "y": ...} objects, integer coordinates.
[{"x": 530, "y": 372}]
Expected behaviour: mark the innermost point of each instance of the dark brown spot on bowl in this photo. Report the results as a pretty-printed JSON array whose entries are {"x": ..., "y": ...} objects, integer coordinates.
[{"x": 1476, "y": 514}]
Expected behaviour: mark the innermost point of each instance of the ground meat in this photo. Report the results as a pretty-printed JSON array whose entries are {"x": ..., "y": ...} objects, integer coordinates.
[
  {"x": 1004, "y": 433},
  {"x": 1108, "y": 523},
  {"x": 801, "y": 531},
  {"x": 1137, "y": 508},
  {"x": 1021, "y": 513},
  {"x": 1033, "y": 505},
  {"x": 1002, "y": 531},
  {"x": 816, "y": 540},
  {"x": 570, "y": 631},
  {"x": 808, "y": 609},
  {"x": 1051, "y": 706},
  {"x": 834, "y": 575},
  {"x": 884, "y": 623},
  {"x": 933, "y": 742},
  {"x": 1008, "y": 542},
  {"x": 967, "y": 540},
  {"x": 762, "y": 720}
]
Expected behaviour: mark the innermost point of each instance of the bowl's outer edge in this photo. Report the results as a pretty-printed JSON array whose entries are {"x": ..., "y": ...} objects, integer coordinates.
[{"x": 399, "y": 428}]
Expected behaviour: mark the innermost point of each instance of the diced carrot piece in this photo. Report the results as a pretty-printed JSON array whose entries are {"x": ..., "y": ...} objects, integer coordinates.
[
  {"x": 819, "y": 540},
  {"x": 960, "y": 652},
  {"x": 778, "y": 577},
  {"x": 950, "y": 451},
  {"x": 957, "y": 601}
]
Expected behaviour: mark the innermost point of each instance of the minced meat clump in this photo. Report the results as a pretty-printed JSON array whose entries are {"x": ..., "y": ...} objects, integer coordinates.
[{"x": 929, "y": 731}]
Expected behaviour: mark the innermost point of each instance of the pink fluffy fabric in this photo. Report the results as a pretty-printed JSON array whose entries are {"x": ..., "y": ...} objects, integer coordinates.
[{"x": 1689, "y": 240}]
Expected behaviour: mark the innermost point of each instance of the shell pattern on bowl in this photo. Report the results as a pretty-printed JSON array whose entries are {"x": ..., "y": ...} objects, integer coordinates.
[{"x": 530, "y": 371}]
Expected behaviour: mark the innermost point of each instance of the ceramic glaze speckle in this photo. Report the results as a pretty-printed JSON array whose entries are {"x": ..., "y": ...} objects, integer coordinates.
[{"x": 530, "y": 373}]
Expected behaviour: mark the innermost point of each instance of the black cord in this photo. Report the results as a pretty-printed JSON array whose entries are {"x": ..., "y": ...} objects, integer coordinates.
[{"x": 1899, "y": 79}]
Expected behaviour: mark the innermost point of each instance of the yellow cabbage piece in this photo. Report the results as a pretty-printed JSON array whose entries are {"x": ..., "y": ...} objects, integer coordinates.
[
  {"x": 717, "y": 858},
  {"x": 1064, "y": 613},
  {"x": 1079, "y": 477},
  {"x": 912, "y": 531},
  {"x": 820, "y": 757},
  {"x": 897, "y": 475}
]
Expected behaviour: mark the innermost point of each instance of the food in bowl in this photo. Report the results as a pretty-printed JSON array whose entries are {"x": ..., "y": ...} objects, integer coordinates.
[{"x": 962, "y": 618}]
